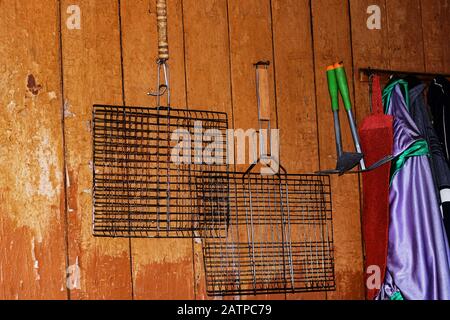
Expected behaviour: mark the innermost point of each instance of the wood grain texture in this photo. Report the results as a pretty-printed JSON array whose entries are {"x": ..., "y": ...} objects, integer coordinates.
[
  {"x": 263, "y": 93},
  {"x": 207, "y": 79},
  {"x": 32, "y": 242},
  {"x": 436, "y": 34},
  {"x": 405, "y": 35},
  {"x": 369, "y": 50},
  {"x": 294, "y": 70},
  {"x": 92, "y": 74},
  {"x": 162, "y": 268},
  {"x": 295, "y": 92},
  {"x": 331, "y": 29}
]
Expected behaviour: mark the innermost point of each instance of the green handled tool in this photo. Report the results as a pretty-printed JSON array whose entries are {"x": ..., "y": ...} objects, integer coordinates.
[
  {"x": 346, "y": 161},
  {"x": 342, "y": 82}
]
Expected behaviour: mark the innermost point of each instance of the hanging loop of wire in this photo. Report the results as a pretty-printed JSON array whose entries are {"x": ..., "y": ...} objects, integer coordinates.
[{"x": 162, "y": 85}]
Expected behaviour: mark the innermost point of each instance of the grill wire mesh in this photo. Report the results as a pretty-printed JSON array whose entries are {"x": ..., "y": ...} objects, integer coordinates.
[
  {"x": 260, "y": 234},
  {"x": 279, "y": 238},
  {"x": 139, "y": 191}
]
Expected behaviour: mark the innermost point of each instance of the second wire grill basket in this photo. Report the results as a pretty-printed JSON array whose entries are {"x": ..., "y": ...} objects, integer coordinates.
[
  {"x": 279, "y": 237},
  {"x": 279, "y": 230}
]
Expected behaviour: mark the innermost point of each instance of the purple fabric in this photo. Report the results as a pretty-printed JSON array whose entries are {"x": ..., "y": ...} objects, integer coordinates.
[{"x": 418, "y": 263}]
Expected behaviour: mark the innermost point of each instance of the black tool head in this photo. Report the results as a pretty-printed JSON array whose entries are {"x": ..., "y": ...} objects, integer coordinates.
[
  {"x": 345, "y": 163},
  {"x": 348, "y": 161},
  {"x": 380, "y": 163}
]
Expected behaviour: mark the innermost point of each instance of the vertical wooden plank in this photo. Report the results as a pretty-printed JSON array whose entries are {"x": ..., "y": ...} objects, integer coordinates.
[
  {"x": 92, "y": 74},
  {"x": 296, "y": 106},
  {"x": 369, "y": 50},
  {"x": 251, "y": 41},
  {"x": 331, "y": 29},
  {"x": 207, "y": 55},
  {"x": 162, "y": 268},
  {"x": 295, "y": 85},
  {"x": 405, "y": 35},
  {"x": 32, "y": 217},
  {"x": 436, "y": 30},
  {"x": 207, "y": 78}
]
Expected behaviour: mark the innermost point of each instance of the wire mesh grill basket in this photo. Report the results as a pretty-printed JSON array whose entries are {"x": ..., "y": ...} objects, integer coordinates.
[
  {"x": 279, "y": 238},
  {"x": 142, "y": 188}
]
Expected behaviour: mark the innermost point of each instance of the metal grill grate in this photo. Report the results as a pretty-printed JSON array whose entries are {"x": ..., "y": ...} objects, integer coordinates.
[
  {"x": 139, "y": 190},
  {"x": 279, "y": 238}
]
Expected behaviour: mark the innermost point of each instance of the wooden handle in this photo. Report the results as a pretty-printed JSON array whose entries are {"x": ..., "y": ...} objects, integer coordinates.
[
  {"x": 161, "y": 18},
  {"x": 263, "y": 91}
]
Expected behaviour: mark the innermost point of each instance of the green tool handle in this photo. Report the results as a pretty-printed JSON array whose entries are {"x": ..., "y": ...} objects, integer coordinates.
[
  {"x": 343, "y": 85},
  {"x": 333, "y": 88}
]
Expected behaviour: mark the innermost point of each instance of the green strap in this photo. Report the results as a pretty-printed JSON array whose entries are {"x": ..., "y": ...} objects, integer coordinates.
[
  {"x": 387, "y": 93},
  {"x": 397, "y": 296},
  {"x": 417, "y": 149}
]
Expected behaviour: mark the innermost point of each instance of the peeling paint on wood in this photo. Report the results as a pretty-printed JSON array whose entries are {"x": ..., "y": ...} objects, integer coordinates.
[
  {"x": 32, "y": 251},
  {"x": 32, "y": 85},
  {"x": 74, "y": 276},
  {"x": 67, "y": 112},
  {"x": 92, "y": 74},
  {"x": 35, "y": 261}
]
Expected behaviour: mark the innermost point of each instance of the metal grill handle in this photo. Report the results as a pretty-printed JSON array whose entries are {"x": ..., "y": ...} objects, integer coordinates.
[
  {"x": 161, "y": 17},
  {"x": 264, "y": 115}
]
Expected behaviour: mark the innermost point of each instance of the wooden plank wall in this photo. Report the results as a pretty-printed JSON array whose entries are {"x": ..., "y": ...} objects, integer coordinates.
[
  {"x": 51, "y": 75},
  {"x": 32, "y": 211}
]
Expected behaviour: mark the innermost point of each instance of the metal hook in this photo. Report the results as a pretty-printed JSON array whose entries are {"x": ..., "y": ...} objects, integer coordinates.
[{"x": 163, "y": 88}]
